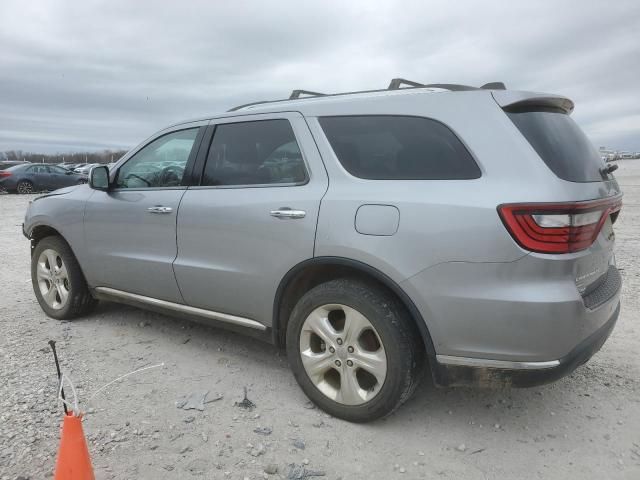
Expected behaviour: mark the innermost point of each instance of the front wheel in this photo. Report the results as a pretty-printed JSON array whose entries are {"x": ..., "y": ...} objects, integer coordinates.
[
  {"x": 354, "y": 349},
  {"x": 57, "y": 280}
]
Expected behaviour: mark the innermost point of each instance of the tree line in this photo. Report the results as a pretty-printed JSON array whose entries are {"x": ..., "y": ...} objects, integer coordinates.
[{"x": 104, "y": 156}]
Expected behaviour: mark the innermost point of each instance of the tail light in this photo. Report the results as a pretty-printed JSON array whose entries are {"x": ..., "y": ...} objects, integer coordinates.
[
  {"x": 5, "y": 174},
  {"x": 558, "y": 227}
]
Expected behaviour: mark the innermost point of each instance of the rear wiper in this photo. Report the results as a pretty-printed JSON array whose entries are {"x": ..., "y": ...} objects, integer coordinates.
[{"x": 608, "y": 169}]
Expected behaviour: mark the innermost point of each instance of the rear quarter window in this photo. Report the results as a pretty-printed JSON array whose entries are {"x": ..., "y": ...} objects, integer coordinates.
[
  {"x": 560, "y": 143},
  {"x": 383, "y": 147}
]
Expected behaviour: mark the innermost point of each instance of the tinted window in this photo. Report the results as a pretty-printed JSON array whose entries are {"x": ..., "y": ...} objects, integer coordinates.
[
  {"x": 254, "y": 153},
  {"x": 560, "y": 143},
  {"x": 57, "y": 170},
  {"x": 38, "y": 169},
  {"x": 398, "y": 148},
  {"x": 160, "y": 163}
]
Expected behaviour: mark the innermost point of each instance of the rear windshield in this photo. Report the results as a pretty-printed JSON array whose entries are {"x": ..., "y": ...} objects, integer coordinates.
[
  {"x": 560, "y": 143},
  {"x": 385, "y": 147}
]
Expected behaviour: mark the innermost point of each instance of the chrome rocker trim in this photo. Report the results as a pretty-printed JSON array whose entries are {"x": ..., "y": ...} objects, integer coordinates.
[
  {"x": 488, "y": 363},
  {"x": 177, "y": 307}
]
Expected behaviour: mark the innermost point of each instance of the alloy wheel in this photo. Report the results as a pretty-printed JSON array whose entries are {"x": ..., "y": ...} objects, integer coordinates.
[
  {"x": 25, "y": 187},
  {"x": 342, "y": 354},
  {"x": 53, "y": 279}
]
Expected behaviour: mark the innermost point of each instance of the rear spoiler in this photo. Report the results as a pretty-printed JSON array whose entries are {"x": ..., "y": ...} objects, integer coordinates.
[{"x": 510, "y": 100}]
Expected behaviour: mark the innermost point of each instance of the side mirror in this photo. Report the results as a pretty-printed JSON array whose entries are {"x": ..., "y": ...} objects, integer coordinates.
[{"x": 99, "y": 178}]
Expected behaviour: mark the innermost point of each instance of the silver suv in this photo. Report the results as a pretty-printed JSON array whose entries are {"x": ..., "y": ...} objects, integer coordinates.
[{"x": 372, "y": 234}]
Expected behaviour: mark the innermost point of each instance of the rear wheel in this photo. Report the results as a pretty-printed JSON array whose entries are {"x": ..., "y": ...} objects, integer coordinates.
[
  {"x": 58, "y": 281},
  {"x": 24, "y": 187},
  {"x": 354, "y": 350}
]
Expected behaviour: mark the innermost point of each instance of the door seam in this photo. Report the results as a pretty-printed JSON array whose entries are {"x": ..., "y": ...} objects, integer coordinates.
[
  {"x": 173, "y": 262},
  {"x": 315, "y": 142}
]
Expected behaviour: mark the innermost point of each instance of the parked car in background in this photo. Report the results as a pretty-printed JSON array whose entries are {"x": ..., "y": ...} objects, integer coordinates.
[
  {"x": 84, "y": 169},
  {"x": 67, "y": 166},
  {"x": 464, "y": 230},
  {"x": 79, "y": 166},
  {"x": 36, "y": 177},
  {"x": 4, "y": 164}
]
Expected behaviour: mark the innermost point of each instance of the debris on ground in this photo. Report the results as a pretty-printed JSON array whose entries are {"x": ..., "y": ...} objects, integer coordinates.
[
  {"x": 245, "y": 403},
  {"x": 197, "y": 400},
  {"x": 257, "y": 450},
  {"x": 271, "y": 469},
  {"x": 263, "y": 430},
  {"x": 299, "y": 472},
  {"x": 299, "y": 444}
]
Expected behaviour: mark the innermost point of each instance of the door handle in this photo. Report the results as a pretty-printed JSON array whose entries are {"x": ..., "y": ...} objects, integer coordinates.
[
  {"x": 286, "y": 212},
  {"x": 159, "y": 209}
]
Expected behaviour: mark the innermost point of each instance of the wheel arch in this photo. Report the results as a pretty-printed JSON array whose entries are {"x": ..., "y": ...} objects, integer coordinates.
[
  {"x": 40, "y": 231},
  {"x": 309, "y": 273}
]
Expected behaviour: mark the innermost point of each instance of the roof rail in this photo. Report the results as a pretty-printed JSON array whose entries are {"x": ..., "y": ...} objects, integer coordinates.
[{"x": 395, "y": 84}]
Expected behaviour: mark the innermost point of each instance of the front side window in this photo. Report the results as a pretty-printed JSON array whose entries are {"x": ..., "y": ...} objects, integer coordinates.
[
  {"x": 160, "y": 164},
  {"x": 385, "y": 147},
  {"x": 254, "y": 153}
]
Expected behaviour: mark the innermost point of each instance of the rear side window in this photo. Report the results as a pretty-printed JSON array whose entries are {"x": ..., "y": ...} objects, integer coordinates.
[
  {"x": 560, "y": 143},
  {"x": 262, "y": 152},
  {"x": 398, "y": 148}
]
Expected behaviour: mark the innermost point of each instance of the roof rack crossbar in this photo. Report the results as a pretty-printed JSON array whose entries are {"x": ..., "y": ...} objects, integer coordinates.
[
  {"x": 296, "y": 94},
  {"x": 396, "y": 83}
]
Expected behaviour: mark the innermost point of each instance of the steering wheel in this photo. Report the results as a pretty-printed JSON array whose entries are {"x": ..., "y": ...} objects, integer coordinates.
[
  {"x": 133, "y": 175},
  {"x": 171, "y": 174}
]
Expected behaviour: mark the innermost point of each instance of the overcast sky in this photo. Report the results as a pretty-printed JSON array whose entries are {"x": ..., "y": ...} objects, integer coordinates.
[{"x": 107, "y": 74}]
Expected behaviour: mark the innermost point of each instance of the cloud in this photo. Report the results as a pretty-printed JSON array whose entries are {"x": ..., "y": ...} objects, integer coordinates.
[{"x": 106, "y": 74}]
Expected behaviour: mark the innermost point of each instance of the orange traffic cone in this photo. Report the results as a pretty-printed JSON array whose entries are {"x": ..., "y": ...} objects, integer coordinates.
[{"x": 73, "y": 457}]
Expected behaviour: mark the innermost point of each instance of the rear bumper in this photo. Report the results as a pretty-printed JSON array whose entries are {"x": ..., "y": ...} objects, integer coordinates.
[{"x": 527, "y": 374}]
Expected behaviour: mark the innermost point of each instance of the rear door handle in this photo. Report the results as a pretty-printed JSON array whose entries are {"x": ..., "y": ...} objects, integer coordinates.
[
  {"x": 286, "y": 212},
  {"x": 159, "y": 209}
]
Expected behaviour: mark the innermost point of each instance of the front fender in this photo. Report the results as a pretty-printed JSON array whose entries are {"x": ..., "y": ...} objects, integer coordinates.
[{"x": 62, "y": 211}]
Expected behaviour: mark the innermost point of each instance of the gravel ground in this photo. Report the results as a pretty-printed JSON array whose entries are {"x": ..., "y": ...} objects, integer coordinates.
[{"x": 583, "y": 426}]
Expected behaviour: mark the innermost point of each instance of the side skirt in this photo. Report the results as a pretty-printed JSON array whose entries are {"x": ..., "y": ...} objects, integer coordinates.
[{"x": 209, "y": 317}]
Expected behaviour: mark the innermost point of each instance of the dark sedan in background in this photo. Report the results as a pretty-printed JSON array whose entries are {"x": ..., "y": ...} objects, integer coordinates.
[
  {"x": 4, "y": 164},
  {"x": 29, "y": 178}
]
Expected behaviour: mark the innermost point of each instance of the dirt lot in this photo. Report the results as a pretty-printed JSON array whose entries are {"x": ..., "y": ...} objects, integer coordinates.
[{"x": 584, "y": 426}]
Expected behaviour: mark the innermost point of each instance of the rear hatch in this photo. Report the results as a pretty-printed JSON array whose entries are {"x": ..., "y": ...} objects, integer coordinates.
[{"x": 584, "y": 226}]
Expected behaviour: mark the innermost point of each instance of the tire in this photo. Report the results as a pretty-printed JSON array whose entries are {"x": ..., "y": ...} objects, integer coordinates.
[
  {"x": 393, "y": 336},
  {"x": 65, "y": 276},
  {"x": 24, "y": 187}
]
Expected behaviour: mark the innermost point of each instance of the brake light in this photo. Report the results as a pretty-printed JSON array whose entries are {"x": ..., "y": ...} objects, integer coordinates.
[
  {"x": 4, "y": 174},
  {"x": 558, "y": 227}
]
